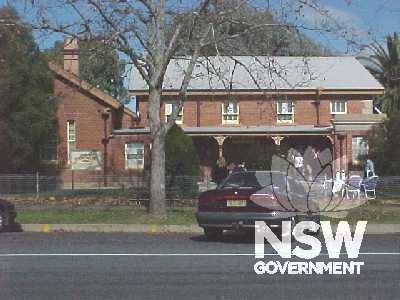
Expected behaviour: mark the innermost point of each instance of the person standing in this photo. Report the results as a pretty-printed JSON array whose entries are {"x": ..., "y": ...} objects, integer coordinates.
[{"x": 369, "y": 169}]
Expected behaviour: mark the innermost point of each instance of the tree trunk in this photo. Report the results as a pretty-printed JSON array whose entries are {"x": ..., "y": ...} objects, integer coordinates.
[
  {"x": 157, "y": 184},
  {"x": 157, "y": 172}
]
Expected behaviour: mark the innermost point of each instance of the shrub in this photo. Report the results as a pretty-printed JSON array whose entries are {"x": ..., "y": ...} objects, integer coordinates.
[
  {"x": 181, "y": 161},
  {"x": 384, "y": 144}
]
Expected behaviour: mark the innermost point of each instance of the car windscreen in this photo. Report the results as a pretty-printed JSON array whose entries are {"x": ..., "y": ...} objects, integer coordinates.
[{"x": 246, "y": 180}]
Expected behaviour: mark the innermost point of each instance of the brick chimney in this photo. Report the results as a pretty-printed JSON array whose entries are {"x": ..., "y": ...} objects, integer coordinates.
[{"x": 71, "y": 57}]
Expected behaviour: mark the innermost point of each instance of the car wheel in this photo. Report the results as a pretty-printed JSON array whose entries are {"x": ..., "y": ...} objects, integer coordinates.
[
  {"x": 212, "y": 233},
  {"x": 3, "y": 220}
]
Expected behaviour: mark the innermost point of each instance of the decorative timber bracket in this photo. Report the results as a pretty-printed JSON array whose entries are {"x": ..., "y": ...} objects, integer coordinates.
[
  {"x": 220, "y": 140},
  {"x": 277, "y": 139}
]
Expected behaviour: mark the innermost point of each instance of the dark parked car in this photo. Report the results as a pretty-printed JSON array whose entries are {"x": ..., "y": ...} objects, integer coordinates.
[
  {"x": 7, "y": 215},
  {"x": 245, "y": 197}
]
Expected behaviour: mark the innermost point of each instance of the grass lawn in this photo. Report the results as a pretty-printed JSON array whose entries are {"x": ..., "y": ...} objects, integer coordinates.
[
  {"x": 373, "y": 212},
  {"x": 102, "y": 215}
]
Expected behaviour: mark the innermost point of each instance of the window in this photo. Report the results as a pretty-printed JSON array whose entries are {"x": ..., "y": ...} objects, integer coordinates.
[
  {"x": 338, "y": 107},
  {"x": 359, "y": 147},
  {"x": 71, "y": 138},
  {"x": 134, "y": 155},
  {"x": 169, "y": 109},
  {"x": 230, "y": 113},
  {"x": 285, "y": 111}
]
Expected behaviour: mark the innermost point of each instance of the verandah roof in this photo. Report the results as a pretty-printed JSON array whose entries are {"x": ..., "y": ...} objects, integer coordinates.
[{"x": 244, "y": 130}]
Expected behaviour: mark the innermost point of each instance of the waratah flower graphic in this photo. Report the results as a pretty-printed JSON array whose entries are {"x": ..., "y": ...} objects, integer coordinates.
[{"x": 306, "y": 184}]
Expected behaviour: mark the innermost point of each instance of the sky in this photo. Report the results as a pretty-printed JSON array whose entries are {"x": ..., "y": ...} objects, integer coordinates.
[
  {"x": 366, "y": 20},
  {"x": 370, "y": 19}
]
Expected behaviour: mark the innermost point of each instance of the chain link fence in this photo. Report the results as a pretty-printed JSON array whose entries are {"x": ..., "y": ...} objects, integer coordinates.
[
  {"x": 179, "y": 189},
  {"x": 389, "y": 187},
  {"x": 133, "y": 187}
]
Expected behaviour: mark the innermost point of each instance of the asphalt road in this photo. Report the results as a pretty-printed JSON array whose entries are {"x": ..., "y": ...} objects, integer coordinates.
[{"x": 105, "y": 275}]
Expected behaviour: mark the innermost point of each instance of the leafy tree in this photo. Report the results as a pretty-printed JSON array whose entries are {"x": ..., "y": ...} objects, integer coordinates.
[
  {"x": 26, "y": 106},
  {"x": 181, "y": 155},
  {"x": 99, "y": 65},
  {"x": 253, "y": 32},
  {"x": 384, "y": 64},
  {"x": 384, "y": 145},
  {"x": 141, "y": 31}
]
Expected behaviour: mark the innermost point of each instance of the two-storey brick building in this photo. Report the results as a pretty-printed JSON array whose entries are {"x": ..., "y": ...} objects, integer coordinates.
[
  {"x": 244, "y": 108},
  {"x": 240, "y": 109}
]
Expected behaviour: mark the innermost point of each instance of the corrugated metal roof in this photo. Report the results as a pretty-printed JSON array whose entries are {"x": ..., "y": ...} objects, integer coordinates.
[
  {"x": 236, "y": 130},
  {"x": 270, "y": 73}
]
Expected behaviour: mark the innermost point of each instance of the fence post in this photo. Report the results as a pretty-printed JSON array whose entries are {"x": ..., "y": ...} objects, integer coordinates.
[{"x": 37, "y": 184}]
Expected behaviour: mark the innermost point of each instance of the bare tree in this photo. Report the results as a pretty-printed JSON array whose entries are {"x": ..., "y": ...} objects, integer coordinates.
[{"x": 150, "y": 34}]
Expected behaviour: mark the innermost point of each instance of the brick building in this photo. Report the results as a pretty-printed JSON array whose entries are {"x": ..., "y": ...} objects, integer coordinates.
[
  {"x": 245, "y": 108},
  {"x": 86, "y": 118},
  {"x": 241, "y": 109}
]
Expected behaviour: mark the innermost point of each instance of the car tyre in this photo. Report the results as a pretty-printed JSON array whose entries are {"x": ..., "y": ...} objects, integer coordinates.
[
  {"x": 212, "y": 233},
  {"x": 3, "y": 221}
]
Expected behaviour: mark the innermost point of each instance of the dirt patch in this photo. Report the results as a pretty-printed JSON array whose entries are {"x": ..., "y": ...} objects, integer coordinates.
[
  {"x": 89, "y": 201},
  {"x": 24, "y": 202}
]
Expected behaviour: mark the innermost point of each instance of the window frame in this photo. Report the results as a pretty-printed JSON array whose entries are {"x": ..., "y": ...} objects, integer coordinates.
[
  {"x": 278, "y": 113},
  {"x": 177, "y": 121},
  {"x": 333, "y": 105},
  {"x": 135, "y": 166},
  {"x": 237, "y": 114},
  {"x": 69, "y": 139}
]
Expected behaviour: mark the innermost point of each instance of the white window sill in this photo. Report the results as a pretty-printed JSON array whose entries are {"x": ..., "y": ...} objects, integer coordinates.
[
  {"x": 230, "y": 123},
  {"x": 285, "y": 121}
]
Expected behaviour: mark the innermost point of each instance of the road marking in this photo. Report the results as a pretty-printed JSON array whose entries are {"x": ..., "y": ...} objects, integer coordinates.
[
  {"x": 152, "y": 228},
  {"x": 46, "y": 228},
  {"x": 168, "y": 254}
]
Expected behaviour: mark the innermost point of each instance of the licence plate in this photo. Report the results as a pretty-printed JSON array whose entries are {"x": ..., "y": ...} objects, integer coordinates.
[{"x": 236, "y": 203}]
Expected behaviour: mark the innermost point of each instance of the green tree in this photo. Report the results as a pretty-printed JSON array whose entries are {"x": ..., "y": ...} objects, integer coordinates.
[
  {"x": 181, "y": 155},
  {"x": 181, "y": 164},
  {"x": 99, "y": 64},
  {"x": 141, "y": 31},
  {"x": 252, "y": 32},
  {"x": 384, "y": 145},
  {"x": 384, "y": 64},
  {"x": 26, "y": 106}
]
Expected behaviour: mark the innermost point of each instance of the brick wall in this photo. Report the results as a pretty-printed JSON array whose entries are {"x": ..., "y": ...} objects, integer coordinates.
[
  {"x": 117, "y": 154},
  {"x": 254, "y": 110},
  {"x": 85, "y": 110}
]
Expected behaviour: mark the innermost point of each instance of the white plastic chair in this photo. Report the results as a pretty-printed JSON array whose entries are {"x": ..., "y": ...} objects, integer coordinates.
[{"x": 338, "y": 187}]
